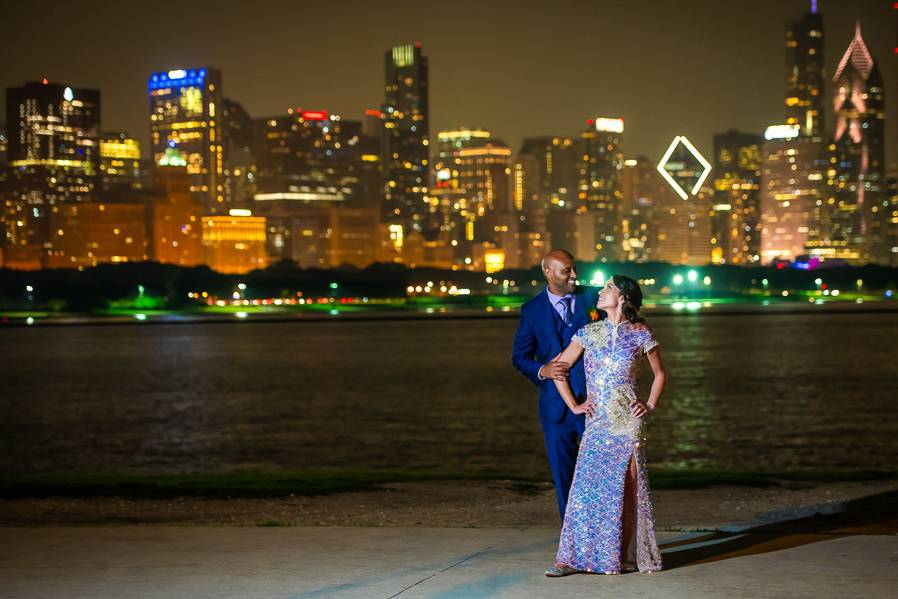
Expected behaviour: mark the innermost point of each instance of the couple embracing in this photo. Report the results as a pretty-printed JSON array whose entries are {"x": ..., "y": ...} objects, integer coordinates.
[{"x": 592, "y": 416}]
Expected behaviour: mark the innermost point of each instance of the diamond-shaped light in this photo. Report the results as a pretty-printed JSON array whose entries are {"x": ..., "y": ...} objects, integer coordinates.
[{"x": 683, "y": 167}]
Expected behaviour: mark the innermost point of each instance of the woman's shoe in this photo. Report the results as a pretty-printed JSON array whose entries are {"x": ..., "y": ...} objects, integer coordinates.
[{"x": 559, "y": 571}]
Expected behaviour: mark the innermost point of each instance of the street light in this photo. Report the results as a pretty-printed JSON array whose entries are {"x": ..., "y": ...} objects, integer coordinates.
[
  {"x": 678, "y": 279},
  {"x": 692, "y": 276}
]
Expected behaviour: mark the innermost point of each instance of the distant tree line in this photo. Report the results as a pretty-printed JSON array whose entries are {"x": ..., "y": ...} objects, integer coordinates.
[{"x": 94, "y": 288}]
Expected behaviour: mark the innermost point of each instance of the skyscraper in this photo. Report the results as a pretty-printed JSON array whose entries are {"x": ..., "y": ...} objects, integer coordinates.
[
  {"x": 805, "y": 73},
  {"x": 186, "y": 125},
  {"x": 54, "y": 153},
  {"x": 406, "y": 116},
  {"x": 452, "y": 199},
  {"x": 855, "y": 214},
  {"x": 640, "y": 187},
  {"x": 736, "y": 214},
  {"x": 119, "y": 161},
  {"x": 792, "y": 172},
  {"x": 599, "y": 191},
  {"x": 239, "y": 161},
  {"x": 892, "y": 198},
  {"x": 546, "y": 180},
  {"x": 682, "y": 228},
  {"x": 472, "y": 193}
]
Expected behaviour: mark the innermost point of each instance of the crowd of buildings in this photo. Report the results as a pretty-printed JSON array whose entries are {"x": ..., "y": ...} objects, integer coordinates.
[{"x": 222, "y": 188}]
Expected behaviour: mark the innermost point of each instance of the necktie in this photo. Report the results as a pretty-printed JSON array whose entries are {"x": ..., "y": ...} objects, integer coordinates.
[{"x": 567, "y": 316}]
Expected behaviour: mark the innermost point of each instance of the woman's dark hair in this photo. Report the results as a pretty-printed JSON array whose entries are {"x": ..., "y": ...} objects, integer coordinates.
[{"x": 632, "y": 297}]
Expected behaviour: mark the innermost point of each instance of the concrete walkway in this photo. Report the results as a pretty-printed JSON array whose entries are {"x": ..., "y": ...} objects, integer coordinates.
[{"x": 305, "y": 563}]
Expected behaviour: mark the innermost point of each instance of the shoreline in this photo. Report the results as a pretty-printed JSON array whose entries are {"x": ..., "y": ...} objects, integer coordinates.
[
  {"x": 428, "y": 313},
  {"x": 683, "y": 500},
  {"x": 449, "y": 504}
]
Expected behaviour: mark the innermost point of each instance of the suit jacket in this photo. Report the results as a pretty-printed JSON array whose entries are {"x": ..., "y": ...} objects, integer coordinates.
[{"x": 541, "y": 336}]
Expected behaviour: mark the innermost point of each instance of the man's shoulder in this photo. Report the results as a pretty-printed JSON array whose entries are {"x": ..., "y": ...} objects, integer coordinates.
[{"x": 528, "y": 306}]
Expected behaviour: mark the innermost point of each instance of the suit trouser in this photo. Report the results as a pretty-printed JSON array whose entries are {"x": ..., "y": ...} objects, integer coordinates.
[{"x": 562, "y": 445}]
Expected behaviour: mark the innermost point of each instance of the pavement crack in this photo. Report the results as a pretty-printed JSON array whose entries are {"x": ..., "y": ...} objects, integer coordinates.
[{"x": 446, "y": 569}]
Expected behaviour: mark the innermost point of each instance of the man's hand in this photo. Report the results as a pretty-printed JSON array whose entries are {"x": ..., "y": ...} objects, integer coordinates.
[{"x": 555, "y": 370}]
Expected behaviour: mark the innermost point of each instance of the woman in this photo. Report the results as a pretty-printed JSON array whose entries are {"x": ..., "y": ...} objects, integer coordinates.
[{"x": 608, "y": 526}]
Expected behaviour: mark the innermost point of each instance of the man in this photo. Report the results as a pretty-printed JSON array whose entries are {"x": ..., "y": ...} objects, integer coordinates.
[{"x": 548, "y": 321}]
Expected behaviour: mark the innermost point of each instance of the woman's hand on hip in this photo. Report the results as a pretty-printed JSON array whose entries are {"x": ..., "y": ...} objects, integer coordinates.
[{"x": 639, "y": 409}]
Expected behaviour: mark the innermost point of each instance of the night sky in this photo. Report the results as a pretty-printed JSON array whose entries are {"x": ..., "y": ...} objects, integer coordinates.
[{"x": 517, "y": 68}]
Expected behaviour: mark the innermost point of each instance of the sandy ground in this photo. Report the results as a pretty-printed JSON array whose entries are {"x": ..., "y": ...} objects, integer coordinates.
[{"x": 478, "y": 504}]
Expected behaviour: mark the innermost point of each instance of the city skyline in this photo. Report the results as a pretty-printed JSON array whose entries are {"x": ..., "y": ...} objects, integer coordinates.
[{"x": 495, "y": 97}]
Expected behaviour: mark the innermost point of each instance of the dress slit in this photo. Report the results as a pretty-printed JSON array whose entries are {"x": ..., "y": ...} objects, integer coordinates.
[{"x": 629, "y": 512}]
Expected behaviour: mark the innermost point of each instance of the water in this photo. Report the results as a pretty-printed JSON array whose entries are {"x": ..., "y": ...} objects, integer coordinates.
[{"x": 765, "y": 392}]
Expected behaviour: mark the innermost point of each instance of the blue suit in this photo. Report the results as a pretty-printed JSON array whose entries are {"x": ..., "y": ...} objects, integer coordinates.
[{"x": 541, "y": 336}]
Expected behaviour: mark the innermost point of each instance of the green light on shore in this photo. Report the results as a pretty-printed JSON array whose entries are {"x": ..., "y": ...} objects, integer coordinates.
[
  {"x": 678, "y": 279},
  {"x": 692, "y": 276},
  {"x": 334, "y": 286},
  {"x": 598, "y": 279}
]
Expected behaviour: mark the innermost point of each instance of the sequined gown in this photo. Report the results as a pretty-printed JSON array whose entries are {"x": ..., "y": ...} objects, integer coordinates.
[{"x": 591, "y": 533}]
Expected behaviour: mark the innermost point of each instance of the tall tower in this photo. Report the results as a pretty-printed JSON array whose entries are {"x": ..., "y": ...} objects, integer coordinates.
[
  {"x": 53, "y": 150},
  {"x": 804, "y": 73},
  {"x": 406, "y": 116},
  {"x": 857, "y": 219},
  {"x": 186, "y": 130},
  {"x": 736, "y": 220},
  {"x": 599, "y": 191}
]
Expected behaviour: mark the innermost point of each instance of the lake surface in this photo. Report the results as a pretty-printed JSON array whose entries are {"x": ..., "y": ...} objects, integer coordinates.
[{"x": 766, "y": 392}]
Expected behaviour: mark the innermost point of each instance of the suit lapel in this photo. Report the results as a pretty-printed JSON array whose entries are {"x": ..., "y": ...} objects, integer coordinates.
[{"x": 553, "y": 319}]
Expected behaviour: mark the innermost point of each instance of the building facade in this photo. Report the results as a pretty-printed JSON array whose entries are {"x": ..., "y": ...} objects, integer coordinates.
[
  {"x": 855, "y": 216},
  {"x": 406, "y": 122},
  {"x": 186, "y": 129},
  {"x": 805, "y": 77},
  {"x": 119, "y": 161},
  {"x": 599, "y": 192},
  {"x": 791, "y": 197},
  {"x": 736, "y": 212},
  {"x": 53, "y": 155}
]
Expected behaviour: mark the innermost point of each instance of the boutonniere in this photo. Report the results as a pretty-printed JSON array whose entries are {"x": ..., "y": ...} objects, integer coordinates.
[{"x": 593, "y": 315}]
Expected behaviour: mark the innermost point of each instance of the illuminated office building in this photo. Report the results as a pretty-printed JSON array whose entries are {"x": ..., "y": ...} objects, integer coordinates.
[
  {"x": 598, "y": 189},
  {"x": 174, "y": 227},
  {"x": 639, "y": 185},
  {"x": 317, "y": 171},
  {"x": 892, "y": 229},
  {"x": 119, "y": 161},
  {"x": 3, "y": 146},
  {"x": 792, "y": 195},
  {"x": 406, "y": 116},
  {"x": 484, "y": 168},
  {"x": 545, "y": 179},
  {"x": 186, "y": 129},
  {"x": 682, "y": 228},
  {"x": 234, "y": 244},
  {"x": 471, "y": 195},
  {"x": 306, "y": 156},
  {"x": 805, "y": 73},
  {"x": 53, "y": 154},
  {"x": 240, "y": 171},
  {"x": 91, "y": 233},
  {"x": 855, "y": 214},
  {"x": 736, "y": 213}
]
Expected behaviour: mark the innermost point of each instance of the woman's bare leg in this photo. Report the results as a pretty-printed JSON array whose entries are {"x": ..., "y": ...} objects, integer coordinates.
[{"x": 628, "y": 517}]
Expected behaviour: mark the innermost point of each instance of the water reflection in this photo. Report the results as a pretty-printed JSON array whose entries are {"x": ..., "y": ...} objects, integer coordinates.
[{"x": 760, "y": 392}]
